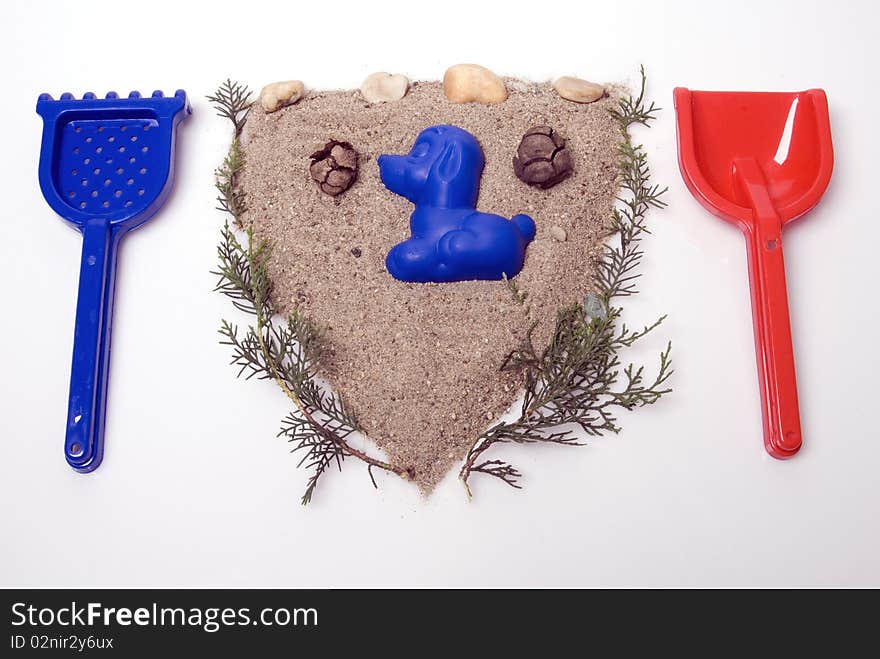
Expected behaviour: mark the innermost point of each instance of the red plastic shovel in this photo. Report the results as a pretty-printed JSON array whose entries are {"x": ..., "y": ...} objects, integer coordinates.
[{"x": 760, "y": 160}]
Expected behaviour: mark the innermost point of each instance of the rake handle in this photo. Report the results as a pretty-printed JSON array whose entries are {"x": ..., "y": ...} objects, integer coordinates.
[
  {"x": 84, "y": 440},
  {"x": 772, "y": 324}
]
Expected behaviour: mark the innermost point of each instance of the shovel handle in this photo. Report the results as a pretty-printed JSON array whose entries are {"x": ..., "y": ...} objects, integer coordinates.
[
  {"x": 84, "y": 441},
  {"x": 773, "y": 345}
]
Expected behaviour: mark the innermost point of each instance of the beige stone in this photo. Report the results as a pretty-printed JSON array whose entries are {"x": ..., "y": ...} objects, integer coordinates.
[
  {"x": 577, "y": 90},
  {"x": 472, "y": 83},
  {"x": 558, "y": 234},
  {"x": 279, "y": 94},
  {"x": 384, "y": 87}
]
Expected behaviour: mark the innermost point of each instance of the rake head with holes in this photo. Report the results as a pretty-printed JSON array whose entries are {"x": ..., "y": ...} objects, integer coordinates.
[{"x": 106, "y": 167}]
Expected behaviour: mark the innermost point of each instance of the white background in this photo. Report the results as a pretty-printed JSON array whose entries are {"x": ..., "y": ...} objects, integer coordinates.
[{"x": 195, "y": 491}]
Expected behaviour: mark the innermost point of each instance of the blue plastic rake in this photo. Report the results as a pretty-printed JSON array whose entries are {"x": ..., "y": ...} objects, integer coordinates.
[{"x": 106, "y": 166}]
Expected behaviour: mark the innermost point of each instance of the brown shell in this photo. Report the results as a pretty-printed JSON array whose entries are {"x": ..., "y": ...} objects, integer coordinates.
[
  {"x": 541, "y": 158},
  {"x": 334, "y": 167}
]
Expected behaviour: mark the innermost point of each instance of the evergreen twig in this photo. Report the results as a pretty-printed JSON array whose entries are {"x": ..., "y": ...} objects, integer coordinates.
[
  {"x": 232, "y": 101},
  {"x": 631, "y": 110},
  {"x": 288, "y": 352},
  {"x": 579, "y": 380}
]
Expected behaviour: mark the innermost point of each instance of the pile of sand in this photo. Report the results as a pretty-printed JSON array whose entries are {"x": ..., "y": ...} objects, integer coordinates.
[{"x": 418, "y": 364}]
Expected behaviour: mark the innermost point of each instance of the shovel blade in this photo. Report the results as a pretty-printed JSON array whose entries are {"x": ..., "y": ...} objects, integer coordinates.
[{"x": 787, "y": 133}]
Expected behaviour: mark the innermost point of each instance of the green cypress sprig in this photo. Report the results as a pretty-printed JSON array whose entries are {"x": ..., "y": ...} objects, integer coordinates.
[
  {"x": 579, "y": 379},
  {"x": 286, "y": 352}
]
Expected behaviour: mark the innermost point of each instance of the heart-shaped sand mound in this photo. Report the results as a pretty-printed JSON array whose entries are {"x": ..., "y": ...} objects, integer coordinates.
[{"x": 419, "y": 364}]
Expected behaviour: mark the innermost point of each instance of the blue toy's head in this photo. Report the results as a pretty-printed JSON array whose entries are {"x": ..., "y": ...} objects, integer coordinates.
[{"x": 442, "y": 169}]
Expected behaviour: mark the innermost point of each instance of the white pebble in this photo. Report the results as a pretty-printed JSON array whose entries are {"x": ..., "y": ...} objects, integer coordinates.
[
  {"x": 276, "y": 95},
  {"x": 384, "y": 88},
  {"x": 558, "y": 234},
  {"x": 577, "y": 90}
]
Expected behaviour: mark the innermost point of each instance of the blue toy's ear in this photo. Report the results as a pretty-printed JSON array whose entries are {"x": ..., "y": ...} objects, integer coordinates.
[{"x": 449, "y": 164}]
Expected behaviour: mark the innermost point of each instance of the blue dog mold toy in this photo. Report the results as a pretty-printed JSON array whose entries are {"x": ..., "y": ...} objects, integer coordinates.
[
  {"x": 106, "y": 166},
  {"x": 451, "y": 240}
]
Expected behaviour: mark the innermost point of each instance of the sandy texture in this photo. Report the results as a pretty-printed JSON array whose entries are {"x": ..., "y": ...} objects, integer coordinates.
[{"x": 418, "y": 364}]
